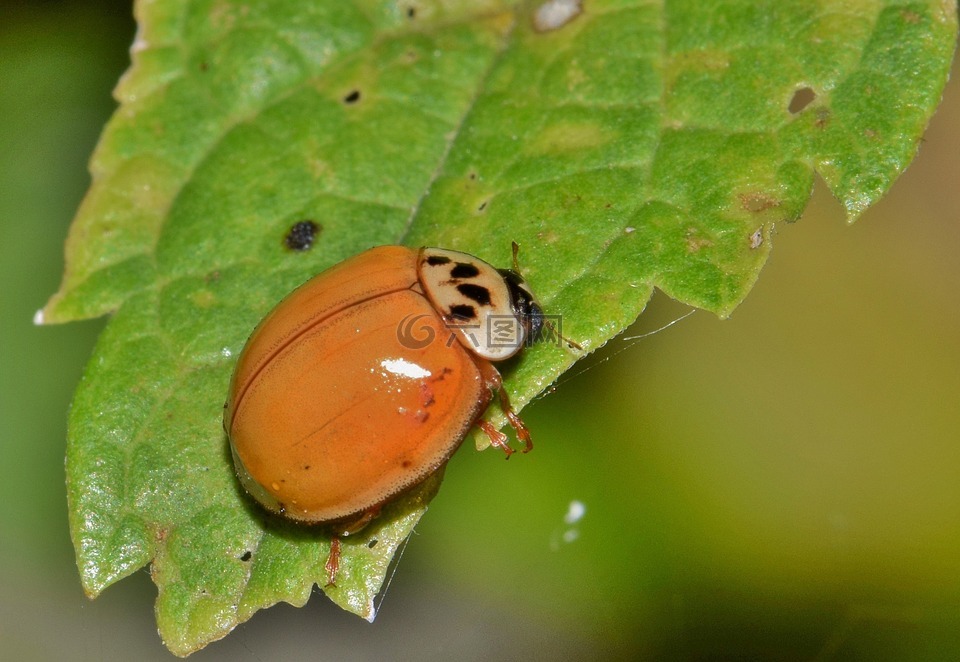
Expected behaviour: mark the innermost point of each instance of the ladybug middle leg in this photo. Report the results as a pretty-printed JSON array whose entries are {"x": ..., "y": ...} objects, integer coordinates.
[
  {"x": 497, "y": 438},
  {"x": 523, "y": 434}
]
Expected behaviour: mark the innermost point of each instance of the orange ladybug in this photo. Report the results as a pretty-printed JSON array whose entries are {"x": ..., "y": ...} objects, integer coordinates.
[{"x": 363, "y": 382}]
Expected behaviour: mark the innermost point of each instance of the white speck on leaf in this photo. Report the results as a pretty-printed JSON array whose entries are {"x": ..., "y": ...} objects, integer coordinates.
[
  {"x": 554, "y": 14},
  {"x": 575, "y": 511},
  {"x": 570, "y": 532}
]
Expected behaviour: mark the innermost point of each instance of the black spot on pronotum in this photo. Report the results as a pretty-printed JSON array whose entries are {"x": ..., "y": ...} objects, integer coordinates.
[
  {"x": 464, "y": 270},
  {"x": 352, "y": 97},
  {"x": 477, "y": 293},
  {"x": 801, "y": 99},
  {"x": 437, "y": 260},
  {"x": 246, "y": 556},
  {"x": 463, "y": 312},
  {"x": 301, "y": 235}
]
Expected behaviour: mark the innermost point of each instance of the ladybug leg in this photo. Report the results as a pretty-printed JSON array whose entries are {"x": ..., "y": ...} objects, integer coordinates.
[
  {"x": 497, "y": 438},
  {"x": 523, "y": 434},
  {"x": 493, "y": 381},
  {"x": 355, "y": 525},
  {"x": 342, "y": 530},
  {"x": 333, "y": 561}
]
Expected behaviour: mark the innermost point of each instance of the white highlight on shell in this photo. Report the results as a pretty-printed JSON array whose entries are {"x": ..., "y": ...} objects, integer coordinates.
[
  {"x": 38, "y": 318},
  {"x": 404, "y": 368},
  {"x": 554, "y": 14}
]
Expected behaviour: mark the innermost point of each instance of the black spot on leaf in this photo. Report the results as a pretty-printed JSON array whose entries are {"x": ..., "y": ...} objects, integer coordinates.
[
  {"x": 301, "y": 235},
  {"x": 801, "y": 99}
]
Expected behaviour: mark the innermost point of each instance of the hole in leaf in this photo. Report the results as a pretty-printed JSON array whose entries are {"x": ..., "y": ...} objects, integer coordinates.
[
  {"x": 247, "y": 555},
  {"x": 373, "y": 543},
  {"x": 411, "y": 12},
  {"x": 352, "y": 97},
  {"x": 801, "y": 99},
  {"x": 301, "y": 235}
]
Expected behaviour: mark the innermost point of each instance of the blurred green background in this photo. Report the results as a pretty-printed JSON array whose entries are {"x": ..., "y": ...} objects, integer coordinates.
[{"x": 783, "y": 485}]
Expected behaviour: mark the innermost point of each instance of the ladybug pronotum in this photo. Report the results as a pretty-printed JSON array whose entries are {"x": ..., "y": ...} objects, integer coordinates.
[{"x": 363, "y": 382}]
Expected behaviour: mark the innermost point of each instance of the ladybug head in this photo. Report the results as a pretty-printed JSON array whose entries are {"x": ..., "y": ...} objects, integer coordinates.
[{"x": 524, "y": 305}]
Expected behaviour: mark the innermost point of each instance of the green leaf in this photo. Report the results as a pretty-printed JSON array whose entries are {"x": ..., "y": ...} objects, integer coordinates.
[{"x": 636, "y": 145}]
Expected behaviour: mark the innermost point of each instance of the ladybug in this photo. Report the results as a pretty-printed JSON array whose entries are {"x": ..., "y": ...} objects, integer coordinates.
[{"x": 366, "y": 379}]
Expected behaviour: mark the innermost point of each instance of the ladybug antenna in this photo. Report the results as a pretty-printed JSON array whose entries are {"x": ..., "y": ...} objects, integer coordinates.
[
  {"x": 516, "y": 252},
  {"x": 572, "y": 344}
]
